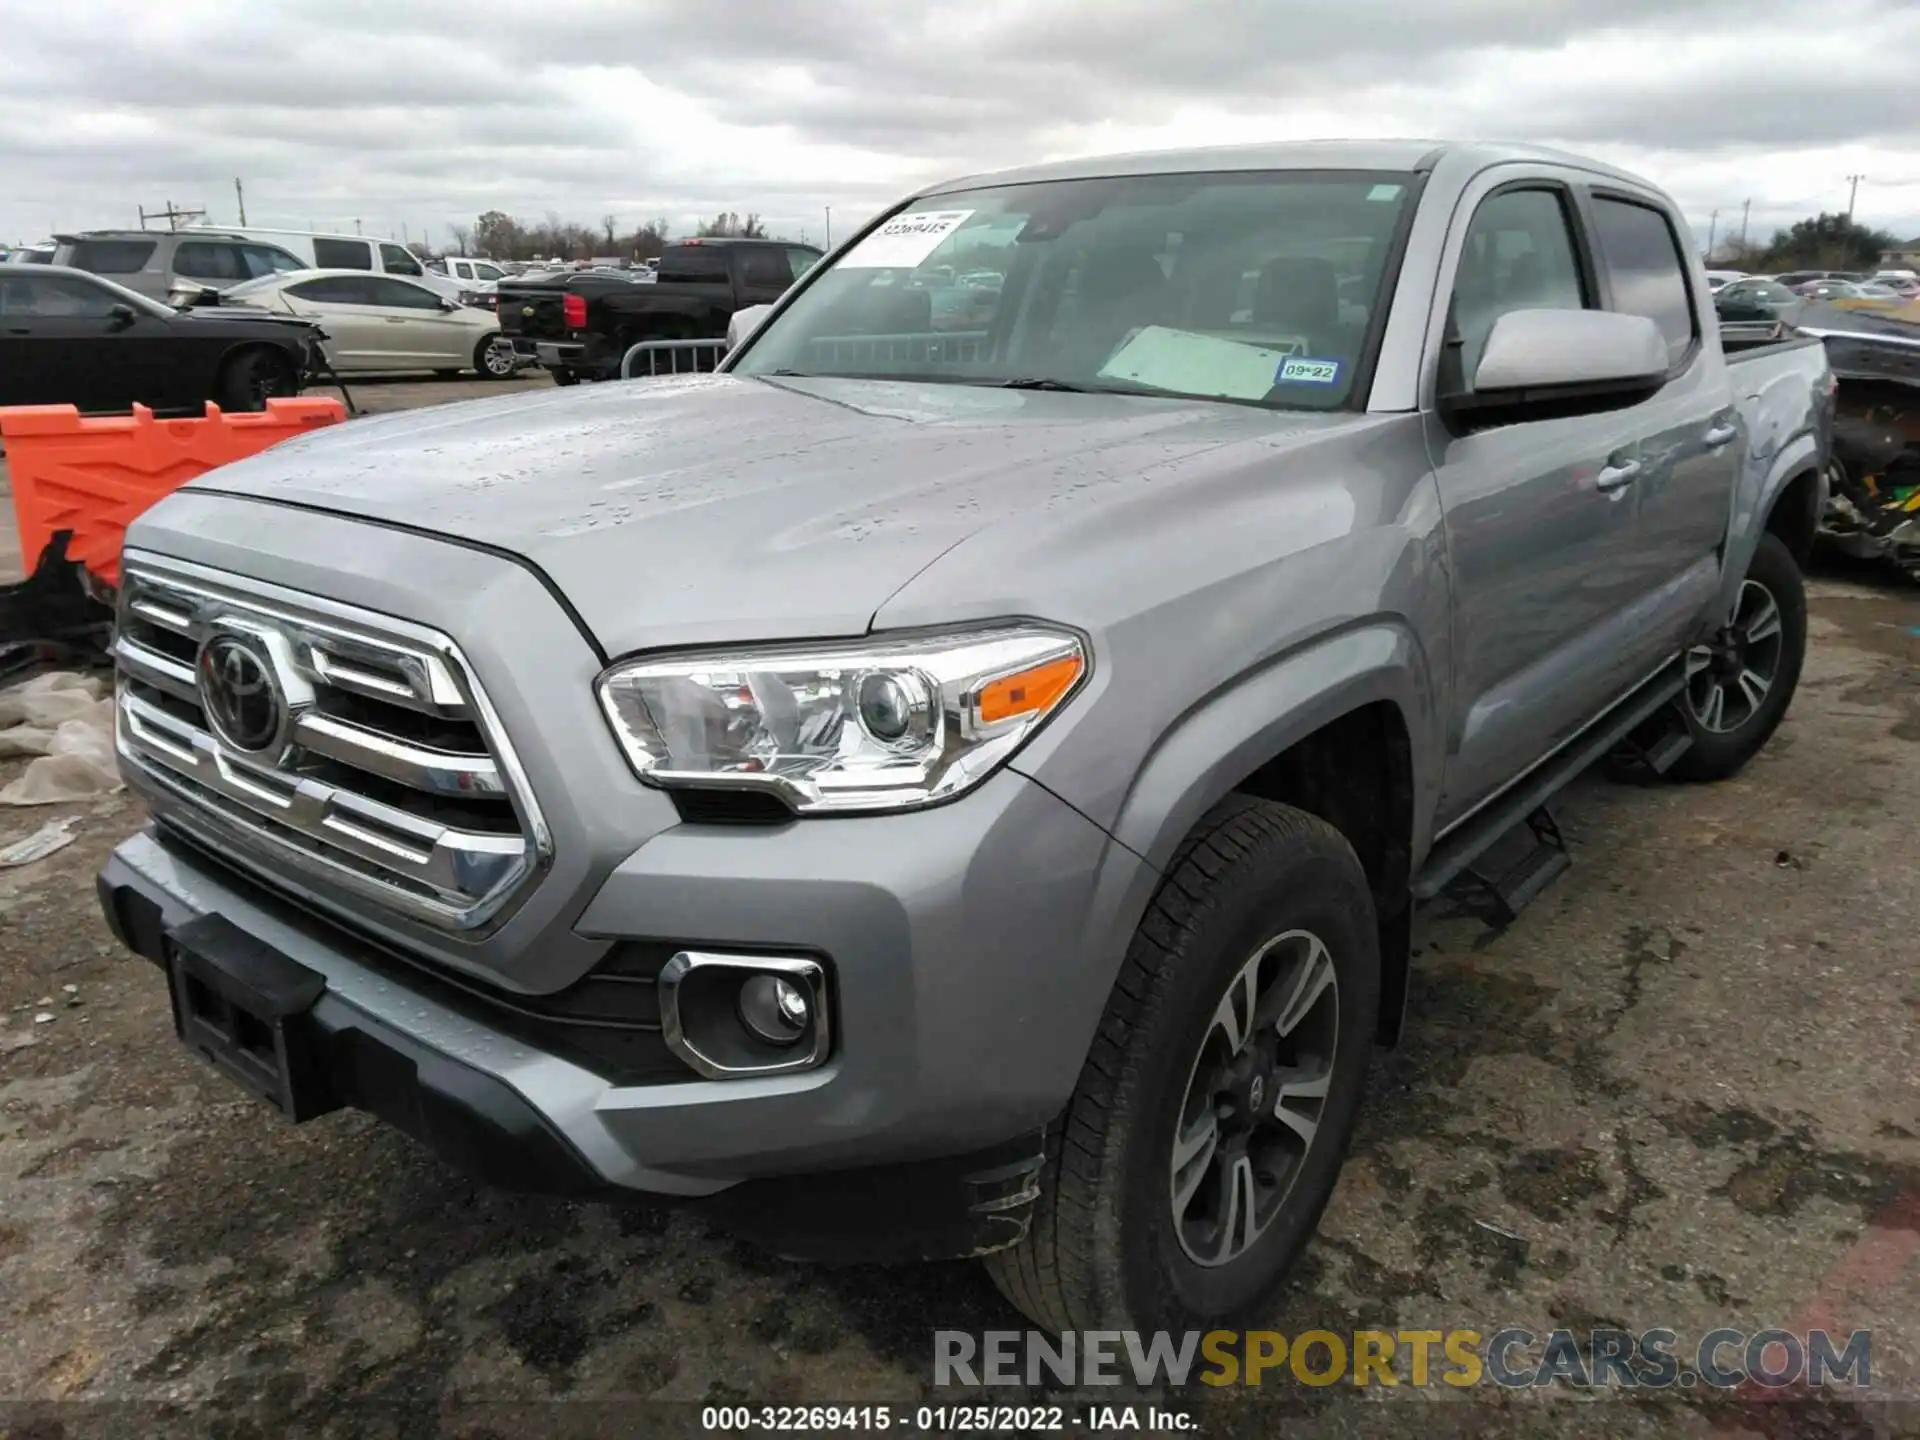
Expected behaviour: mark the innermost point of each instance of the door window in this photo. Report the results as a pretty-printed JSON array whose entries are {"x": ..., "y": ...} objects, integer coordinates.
[
  {"x": 342, "y": 254},
  {"x": 769, "y": 269},
  {"x": 1643, "y": 262},
  {"x": 209, "y": 260},
  {"x": 55, "y": 297},
  {"x": 399, "y": 295},
  {"x": 334, "y": 290},
  {"x": 111, "y": 257},
  {"x": 258, "y": 260},
  {"x": 488, "y": 272},
  {"x": 1518, "y": 255},
  {"x": 801, "y": 261},
  {"x": 397, "y": 261}
]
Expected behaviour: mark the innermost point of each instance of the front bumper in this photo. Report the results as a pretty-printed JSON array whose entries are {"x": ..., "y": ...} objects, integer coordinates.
[{"x": 968, "y": 973}]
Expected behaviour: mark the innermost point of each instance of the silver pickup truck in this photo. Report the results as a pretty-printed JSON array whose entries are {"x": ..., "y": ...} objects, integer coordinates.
[{"x": 957, "y": 781}]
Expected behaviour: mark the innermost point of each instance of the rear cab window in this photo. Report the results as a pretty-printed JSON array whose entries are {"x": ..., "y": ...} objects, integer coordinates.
[
  {"x": 694, "y": 262},
  {"x": 1645, "y": 269},
  {"x": 111, "y": 257}
]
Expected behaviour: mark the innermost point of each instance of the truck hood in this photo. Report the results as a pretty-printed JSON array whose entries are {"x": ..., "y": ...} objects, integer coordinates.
[{"x": 715, "y": 509}]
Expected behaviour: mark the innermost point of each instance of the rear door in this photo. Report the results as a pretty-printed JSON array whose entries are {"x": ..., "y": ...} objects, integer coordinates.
[
  {"x": 1683, "y": 493},
  {"x": 1538, "y": 519}
]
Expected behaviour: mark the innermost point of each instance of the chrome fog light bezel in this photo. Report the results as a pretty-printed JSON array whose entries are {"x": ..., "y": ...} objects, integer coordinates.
[{"x": 809, "y": 976}]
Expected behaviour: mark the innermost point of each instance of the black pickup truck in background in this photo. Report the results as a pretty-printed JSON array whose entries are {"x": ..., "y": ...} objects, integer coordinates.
[{"x": 579, "y": 326}]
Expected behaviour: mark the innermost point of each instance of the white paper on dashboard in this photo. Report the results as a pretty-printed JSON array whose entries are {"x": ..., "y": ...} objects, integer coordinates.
[
  {"x": 905, "y": 240},
  {"x": 1199, "y": 364}
]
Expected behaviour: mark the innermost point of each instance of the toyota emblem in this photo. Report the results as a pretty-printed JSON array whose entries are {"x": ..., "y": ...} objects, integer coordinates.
[
  {"x": 241, "y": 696},
  {"x": 526, "y": 311}
]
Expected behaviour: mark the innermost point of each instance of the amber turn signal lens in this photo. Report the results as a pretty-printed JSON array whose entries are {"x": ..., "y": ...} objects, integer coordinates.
[{"x": 1038, "y": 689}]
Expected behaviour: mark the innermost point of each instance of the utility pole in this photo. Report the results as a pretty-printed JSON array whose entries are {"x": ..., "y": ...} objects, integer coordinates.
[
  {"x": 1713, "y": 224},
  {"x": 171, "y": 215},
  {"x": 240, "y": 195},
  {"x": 829, "y": 227},
  {"x": 1745, "y": 206},
  {"x": 1853, "y": 190},
  {"x": 356, "y": 226}
]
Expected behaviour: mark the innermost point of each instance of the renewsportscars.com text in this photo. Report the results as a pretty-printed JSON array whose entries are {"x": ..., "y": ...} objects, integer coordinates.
[{"x": 1512, "y": 1357}]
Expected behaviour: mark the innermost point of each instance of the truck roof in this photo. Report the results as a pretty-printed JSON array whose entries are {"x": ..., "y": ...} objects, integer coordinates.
[{"x": 1286, "y": 155}]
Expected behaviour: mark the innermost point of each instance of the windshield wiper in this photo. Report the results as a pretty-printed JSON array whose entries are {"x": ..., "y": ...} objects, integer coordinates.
[{"x": 1041, "y": 383}]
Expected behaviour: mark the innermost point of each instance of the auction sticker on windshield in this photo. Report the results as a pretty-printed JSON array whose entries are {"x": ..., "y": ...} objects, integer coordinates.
[{"x": 905, "y": 240}]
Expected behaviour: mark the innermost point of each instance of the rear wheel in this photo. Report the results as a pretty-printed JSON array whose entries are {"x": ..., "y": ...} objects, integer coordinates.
[
  {"x": 251, "y": 378},
  {"x": 493, "y": 357},
  {"x": 1740, "y": 682},
  {"x": 1210, "y": 1120}
]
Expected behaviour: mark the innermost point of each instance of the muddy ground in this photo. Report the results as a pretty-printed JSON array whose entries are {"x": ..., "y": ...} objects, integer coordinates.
[{"x": 1682, "y": 1091}]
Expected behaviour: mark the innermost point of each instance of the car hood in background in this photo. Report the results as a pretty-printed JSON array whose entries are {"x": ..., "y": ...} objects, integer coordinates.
[{"x": 716, "y": 508}]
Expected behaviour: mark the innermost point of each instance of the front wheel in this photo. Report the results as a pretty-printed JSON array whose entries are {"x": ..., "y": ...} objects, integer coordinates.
[
  {"x": 1215, "y": 1106},
  {"x": 1741, "y": 680},
  {"x": 493, "y": 357},
  {"x": 251, "y": 378}
]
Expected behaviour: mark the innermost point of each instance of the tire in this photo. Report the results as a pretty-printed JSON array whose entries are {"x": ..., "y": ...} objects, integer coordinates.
[
  {"x": 494, "y": 358},
  {"x": 565, "y": 377},
  {"x": 250, "y": 377},
  {"x": 1105, "y": 1250},
  {"x": 1725, "y": 742}
]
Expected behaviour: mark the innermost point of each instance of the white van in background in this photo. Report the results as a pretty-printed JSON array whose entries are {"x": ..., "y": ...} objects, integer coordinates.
[{"x": 352, "y": 252}]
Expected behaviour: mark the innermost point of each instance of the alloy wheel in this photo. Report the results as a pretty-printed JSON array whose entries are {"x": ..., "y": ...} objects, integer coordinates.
[
  {"x": 1730, "y": 676},
  {"x": 1254, "y": 1098}
]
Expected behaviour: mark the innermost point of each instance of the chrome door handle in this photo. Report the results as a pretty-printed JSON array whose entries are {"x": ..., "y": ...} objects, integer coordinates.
[
  {"x": 1615, "y": 477},
  {"x": 1718, "y": 435}
]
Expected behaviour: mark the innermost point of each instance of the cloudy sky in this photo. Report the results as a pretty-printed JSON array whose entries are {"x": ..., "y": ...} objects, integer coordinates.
[{"x": 410, "y": 115}]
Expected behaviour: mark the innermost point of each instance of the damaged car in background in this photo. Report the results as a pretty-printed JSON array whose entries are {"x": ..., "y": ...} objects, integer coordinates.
[{"x": 1873, "y": 476}]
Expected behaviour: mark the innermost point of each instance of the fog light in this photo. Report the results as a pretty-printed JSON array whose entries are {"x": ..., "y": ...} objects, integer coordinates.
[{"x": 774, "y": 1009}]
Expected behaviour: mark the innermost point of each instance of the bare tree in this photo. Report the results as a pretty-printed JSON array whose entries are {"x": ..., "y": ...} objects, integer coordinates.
[
  {"x": 462, "y": 239},
  {"x": 610, "y": 226}
]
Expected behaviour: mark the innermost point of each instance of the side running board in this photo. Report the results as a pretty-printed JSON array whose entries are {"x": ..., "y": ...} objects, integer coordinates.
[{"x": 1520, "y": 812}]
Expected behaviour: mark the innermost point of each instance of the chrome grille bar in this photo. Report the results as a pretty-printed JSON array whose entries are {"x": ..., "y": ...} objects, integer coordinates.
[{"x": 395, "y": 781}]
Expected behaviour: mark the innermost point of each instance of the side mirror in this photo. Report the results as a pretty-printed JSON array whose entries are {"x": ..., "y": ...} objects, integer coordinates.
[
  {"x": 744, "y": 323},
  {"x": 122, "y": 315},
  {"x": 1549, "y": 364}
]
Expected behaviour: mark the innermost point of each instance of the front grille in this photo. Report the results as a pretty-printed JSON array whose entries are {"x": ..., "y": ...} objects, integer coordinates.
[{"x": 390, "y": 776}]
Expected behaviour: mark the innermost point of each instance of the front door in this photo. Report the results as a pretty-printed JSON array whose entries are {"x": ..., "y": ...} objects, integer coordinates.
[
  {"x": 420, "y": 333},
  {"x": 1539, "y": 516},
  {"x": 342, "y": 306}
]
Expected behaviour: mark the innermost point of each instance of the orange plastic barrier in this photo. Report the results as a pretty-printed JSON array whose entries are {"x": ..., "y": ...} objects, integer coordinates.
[{"x": 95, "y": 475}]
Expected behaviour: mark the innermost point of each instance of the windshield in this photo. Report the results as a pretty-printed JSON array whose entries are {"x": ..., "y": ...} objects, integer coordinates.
[{"x": 1258, "y": 287}]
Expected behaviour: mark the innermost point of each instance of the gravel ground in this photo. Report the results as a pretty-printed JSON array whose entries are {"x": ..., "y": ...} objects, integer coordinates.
[{"x": 1683, "y": 1091}]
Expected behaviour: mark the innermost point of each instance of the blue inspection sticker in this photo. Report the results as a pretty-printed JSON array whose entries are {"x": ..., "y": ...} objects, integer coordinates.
[{"x": 1300, "y": 370}]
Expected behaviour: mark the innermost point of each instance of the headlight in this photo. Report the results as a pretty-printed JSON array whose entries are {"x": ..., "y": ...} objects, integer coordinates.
[{"x": 867, "y": 725}]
